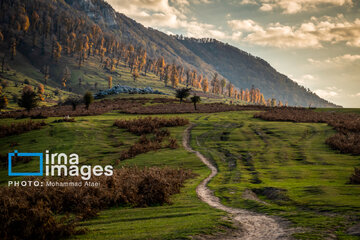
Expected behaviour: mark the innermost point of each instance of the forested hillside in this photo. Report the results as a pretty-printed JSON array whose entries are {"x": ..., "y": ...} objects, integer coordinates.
[{"x": 80, "y": 45}]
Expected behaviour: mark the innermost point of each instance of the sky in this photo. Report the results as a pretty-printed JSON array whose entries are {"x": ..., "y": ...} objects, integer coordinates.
[{"x": 314, "y": 42}]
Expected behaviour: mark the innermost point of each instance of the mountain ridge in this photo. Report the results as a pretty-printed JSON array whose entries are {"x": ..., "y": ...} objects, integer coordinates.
[{"x": 243, "y": 74}]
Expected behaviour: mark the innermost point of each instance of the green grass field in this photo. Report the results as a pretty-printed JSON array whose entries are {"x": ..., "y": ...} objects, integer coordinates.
[
  {"x": 250, "y": 154},
  {"x": 310, "y": 178}
]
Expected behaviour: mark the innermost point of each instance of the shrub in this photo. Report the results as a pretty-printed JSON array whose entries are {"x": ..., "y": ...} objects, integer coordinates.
[
  {"x": 146, "y": 125},
  {"x": 29, "y": 212},
  {"x": 347, "y": 140},
  {"x": 18, "y": 128},
  {"x": 355, "y": 177},
  {"x": 144, "y": 145}
]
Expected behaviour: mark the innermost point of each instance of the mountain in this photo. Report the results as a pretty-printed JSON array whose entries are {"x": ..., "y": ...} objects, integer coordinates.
[
  {"x": 58, "y": 20},
  {"x": 205, "y": 55}
]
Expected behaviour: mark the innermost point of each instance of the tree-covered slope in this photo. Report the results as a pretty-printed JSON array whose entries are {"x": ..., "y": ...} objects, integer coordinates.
[
  {"x": 245, "y": 70},
  {"x": 82, "y": 35},
  {"x": 239, "y": 67}
]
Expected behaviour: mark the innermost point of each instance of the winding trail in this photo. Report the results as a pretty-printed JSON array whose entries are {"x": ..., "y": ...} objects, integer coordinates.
[{"x": 254, "y": 226}]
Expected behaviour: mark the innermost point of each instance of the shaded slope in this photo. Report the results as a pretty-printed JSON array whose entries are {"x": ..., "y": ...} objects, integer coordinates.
[{"x": 245, "y": 70}]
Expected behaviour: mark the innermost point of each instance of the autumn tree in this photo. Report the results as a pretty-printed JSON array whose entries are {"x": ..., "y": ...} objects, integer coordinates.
[
  {"x": 160, "y": 65},
  {"x": 57, "y": 51},
  {"x": 167, "y": 74},
  {"x": 174, "y": 77},
  {"x": 247, "y": 95},
  {"x": 142, "y": 60},
  {"x": 135, "y": 74},
  {"x": 188, "y": 77},
  {"x": 109, "y": 81},
  {"x": 66, "y": 76},
  {"x": 205, "y": 85},
  {"x": 273, "y": 102},
  {"x": 41, "y": 91},
  {"x": 230, "y": 88},
  {"x": 262, "y": 99}
]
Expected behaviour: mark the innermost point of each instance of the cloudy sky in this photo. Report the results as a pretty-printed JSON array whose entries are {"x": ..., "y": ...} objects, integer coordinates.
[{"x": 314, "y": 42}]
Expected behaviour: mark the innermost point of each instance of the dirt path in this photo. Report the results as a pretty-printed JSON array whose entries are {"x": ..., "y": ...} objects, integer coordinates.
[{"x": 254, "y": 226}]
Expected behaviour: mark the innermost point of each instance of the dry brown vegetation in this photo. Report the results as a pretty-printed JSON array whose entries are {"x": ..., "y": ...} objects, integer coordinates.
[
  {"x": 147, "y": 125},
  {"x": 30, "y": 212},
  {"x": 175, "y": 108},
  {"x": 347, "y": 138},
  {"x": 126, "y": 105},
  {"x": 160, "y": 138},
  {"x": 18, "y": 128},
  {"x": 355, "y": 178}
]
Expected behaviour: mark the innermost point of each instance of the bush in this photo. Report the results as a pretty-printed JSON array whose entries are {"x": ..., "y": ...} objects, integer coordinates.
[
  {"x": 147, "y": 125},
  {"x": 355, "y": 177},
  {"x": 18, "y": 128},
  {"x": 347, "y": 140},
  {"x": 29, "y": 212}
]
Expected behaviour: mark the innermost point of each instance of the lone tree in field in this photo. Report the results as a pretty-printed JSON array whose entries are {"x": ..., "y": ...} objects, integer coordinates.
[
  {"x": 29, "y": 99},
  {"x": 182, "y": 93},
  {"x": 195, "y": 99},
  {"x": 88, "y": 99}
]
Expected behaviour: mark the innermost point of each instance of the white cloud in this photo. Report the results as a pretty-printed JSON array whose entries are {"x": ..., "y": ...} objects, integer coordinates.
[
  {"x": 338, "y": 61},
  {"x": 305, "y": 79},
  {"x": 355, "y": 95},
  {"x": 247, "y": 25},
  {"x": 248, "y": 2},
  {"x": 166, "y": 15},
  {"x": 266, "y": 7},
  {"x": 311, "y": 34},
  {"x": 329, "y": 92},
  {"x": 296, "y": 6}
]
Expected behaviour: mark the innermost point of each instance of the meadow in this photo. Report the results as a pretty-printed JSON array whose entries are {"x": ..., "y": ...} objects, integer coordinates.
[{"x": 287, "y": 168}]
